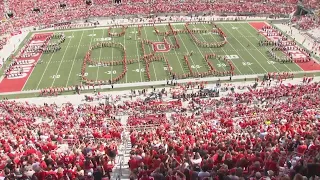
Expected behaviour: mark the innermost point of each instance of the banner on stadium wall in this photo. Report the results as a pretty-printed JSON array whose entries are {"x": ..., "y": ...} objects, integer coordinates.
[
  {"x": 246, "y": 14},
  {"x": 15, "y": 33},
  {"x": 61, "y": 24}
]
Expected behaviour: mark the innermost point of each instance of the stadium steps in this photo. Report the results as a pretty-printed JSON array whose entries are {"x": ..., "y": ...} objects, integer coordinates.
[{"x": 121, "y": 169}]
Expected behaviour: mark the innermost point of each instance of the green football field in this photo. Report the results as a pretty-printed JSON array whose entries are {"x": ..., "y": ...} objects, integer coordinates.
[{"x": 63, "y": 68}]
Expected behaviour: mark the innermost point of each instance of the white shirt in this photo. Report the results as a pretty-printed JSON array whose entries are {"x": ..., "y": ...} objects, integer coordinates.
[{"x": 196, "y": 161}]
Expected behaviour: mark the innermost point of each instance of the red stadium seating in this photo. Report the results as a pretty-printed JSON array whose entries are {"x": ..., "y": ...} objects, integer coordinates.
[{"x": 51, "y": 12}]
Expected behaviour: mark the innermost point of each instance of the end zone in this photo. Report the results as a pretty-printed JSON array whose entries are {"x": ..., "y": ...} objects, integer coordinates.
[
  {"x": 305, "y": 66},
  {"x": 19, "y": 71}
]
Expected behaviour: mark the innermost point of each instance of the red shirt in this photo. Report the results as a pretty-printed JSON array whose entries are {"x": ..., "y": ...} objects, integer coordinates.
[
  {"x": 146, "y": 178},
  {"x": 271, "y": 165},
  {"x": 40, "y": 175},
  {"x": 302, "y": 148},
  {"x": 133, "y": 163},
  {"x": 51, "y": 174}
]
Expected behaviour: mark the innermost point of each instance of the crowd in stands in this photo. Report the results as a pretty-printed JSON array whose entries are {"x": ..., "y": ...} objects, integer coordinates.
[
  {"x": 36, "y": 13},
  {"x": 51, "y": 142},
  {"x": 263, "y": 134},
  {"x": 312, "y": 4},
  {"x": 1, "y": 9},
  {"x": 307, "y": 22},
  {"x": 44, "y": 12},
  {"x": 3, "y": 42}
]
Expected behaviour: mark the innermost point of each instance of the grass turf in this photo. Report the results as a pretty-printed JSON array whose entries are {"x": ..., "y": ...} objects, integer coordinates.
[{"x": 62, "y": 69}]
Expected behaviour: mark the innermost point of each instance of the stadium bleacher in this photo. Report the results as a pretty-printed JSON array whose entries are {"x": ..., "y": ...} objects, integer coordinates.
[
  {"x": 263, "y": 133},
  {"x": 35, "y": 13}
]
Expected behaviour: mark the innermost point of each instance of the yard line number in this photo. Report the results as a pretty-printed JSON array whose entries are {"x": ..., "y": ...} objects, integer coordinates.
[
  {"x": 55, "y": 76},
  {"x": 138, "y": 70},
  {"x": 103, "y": 39},
  {"x": 221, "y": 65},
  {"x": 111, "y": 72},
  {"x": 271, "y": 62},
  {"x": 195, "y": 66},
  {"x": 166, "y": 68},
  {"x": 246, "y": 63},
  {"x": 231, "y": 57},
  {"x": 85, "y": 74},
  {"x": 98, "y": 65}
]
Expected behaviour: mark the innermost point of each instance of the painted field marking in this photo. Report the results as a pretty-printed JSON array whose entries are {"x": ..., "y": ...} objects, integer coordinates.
[
  {"x": 224, "y": 67},
  {"x": 124, "y": 44},
  {"x": 45, "y": 70},
  {"x": 99, "y": 59},
  {"x": 63, "y": 58},
  {"x": 189, "y": 52},
  {"x": 256, "y": 48},
  {"x": 243, "y": 47},
  {"x": 175, "y": 54},
  {"x": 269, "y": 48},
  {"x": 154, "y": 70},
  {"x": 138, "y": 55},
  {"x": 75, "y": 56}
]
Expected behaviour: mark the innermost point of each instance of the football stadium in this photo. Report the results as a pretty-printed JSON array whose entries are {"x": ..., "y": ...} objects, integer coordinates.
[{"x": 153, "y": 90}]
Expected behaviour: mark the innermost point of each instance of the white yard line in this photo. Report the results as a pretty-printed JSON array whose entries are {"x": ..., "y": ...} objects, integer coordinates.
[
  {"x": 154, "y": 70},
  {"x": 256, "y": 48},
  {"x": 240, "y": 57},
  {"x": 179, "y": 60},
  {"x": 74, "y": 59},
  {"x": 188, "y": 52},
  {"x": 112, "y": 59},
  {"x": 45, "y": 70},
  {"x": 97, "y": 76},
  {"x": 246, "y": 50},
  {"x": 138, "y": 55},
  {"x": 54, "y": 79},
  {"x": 222, "y": 50},
  {"x": 124, "y": 45}
]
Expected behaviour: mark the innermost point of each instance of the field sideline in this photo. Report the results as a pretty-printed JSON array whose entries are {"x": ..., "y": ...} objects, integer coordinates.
[{"x": 63, "y": 68}]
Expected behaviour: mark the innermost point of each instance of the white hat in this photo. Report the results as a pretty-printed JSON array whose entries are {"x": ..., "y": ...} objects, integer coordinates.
[{"x": 270, "y": 173}]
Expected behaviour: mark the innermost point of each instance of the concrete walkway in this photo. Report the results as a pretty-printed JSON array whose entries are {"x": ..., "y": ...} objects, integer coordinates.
[{"x": 157, "y": 83}]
